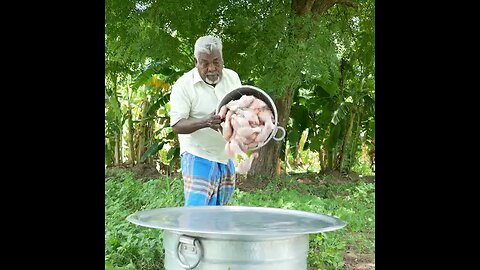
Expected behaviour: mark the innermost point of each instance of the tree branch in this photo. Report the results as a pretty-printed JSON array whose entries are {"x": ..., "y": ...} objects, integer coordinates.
[
  {"x": 321, "y": 6},
  {"x": 302, "y": 7},
  {"x": 309, "y": 4},
  {"x": 348, "y": 3}
]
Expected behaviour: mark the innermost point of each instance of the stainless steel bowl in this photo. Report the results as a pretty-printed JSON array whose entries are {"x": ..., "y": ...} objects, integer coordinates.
[{"x": 260, "y": 94}]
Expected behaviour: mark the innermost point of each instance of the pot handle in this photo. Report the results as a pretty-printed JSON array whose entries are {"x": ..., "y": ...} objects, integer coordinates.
[
  {"x": 188, "y": 245},
  {"x": 283, "y": 134}
]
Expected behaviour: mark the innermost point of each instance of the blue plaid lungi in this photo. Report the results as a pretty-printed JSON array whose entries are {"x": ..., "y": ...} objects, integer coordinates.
[{"x": 206, "y": 182}]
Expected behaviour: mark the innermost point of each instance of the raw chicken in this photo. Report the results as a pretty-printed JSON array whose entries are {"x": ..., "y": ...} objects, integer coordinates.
[
  {"x": 266, "y": 117},
  {"x": 227, "y": 127},
  {"x": 244, "y": 166},
  {"x": 258, "y": 104},
  {"x": 223, "y": 111},
  {"x": 243, "y": 102},
  {"x": 247, "y": 132},
  {"x": 250, "y": 115},
  {"x": 248, "y": 124}
]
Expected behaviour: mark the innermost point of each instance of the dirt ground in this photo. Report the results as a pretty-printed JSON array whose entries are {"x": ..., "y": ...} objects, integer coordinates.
[
  {"x": 358, "y": 261},
  {"x": 307, "y": 178},
  {"x": 145, "y": 171}
]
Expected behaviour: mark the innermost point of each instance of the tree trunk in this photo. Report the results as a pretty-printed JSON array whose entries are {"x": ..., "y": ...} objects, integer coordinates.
[
  {"x": 267, "y": 161},
  {"x": 349, "y": 144},
  {"x": 118, "y": 136},
  {"x": 344, "y": 154},
  {"x": 322, "y": 156},
  {"x": 327, "y": 153},
  {"x": 118, "y": 154},
  {"x": 149, "y": 135},
  {"x": 318, "y": 7},
  {"x": 330, "y": 159},
  {"x": 355, "y": 141},
  {"x": 142, "y": 133},
  {"x": 337, "y": 158},
  {"x": 130, "y": 139},
  {"x": 141, "y": 142},
  {"x": 131, "y": 131}
]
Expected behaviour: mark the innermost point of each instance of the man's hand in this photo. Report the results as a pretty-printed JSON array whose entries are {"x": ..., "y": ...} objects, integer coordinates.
[
  {"x": 187, "y": 126},
  {"x": 213, "y": 121}
]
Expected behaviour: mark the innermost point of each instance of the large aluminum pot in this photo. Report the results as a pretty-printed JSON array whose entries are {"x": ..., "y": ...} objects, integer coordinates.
[
  {"x": 235, "y": 237},
  {"x": 234, "y": 253},
  {"x": 260, "y": 94}
]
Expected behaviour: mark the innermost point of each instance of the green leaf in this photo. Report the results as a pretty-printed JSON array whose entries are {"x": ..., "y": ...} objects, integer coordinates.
[
  {"x": 153, "y": 149},
  {"x": 158, "y": 100},
  {"x": 115, "y": 107},
  {"x": 314, "y": 143},
  {"x": 293, "y": 137},
  {"x": 334, "y": 137},
  {"x": 143, "y": 78},
  {"x": 174, "y": 151},
  {"x": 321, "y": 92},
  {"x": 173, "y": 154},
  {"x": 340, "y": 113},
  {"x": 369, "y": 105},
  {"x": 108, "y": 154},
  {"x": 108, "y": 266},
  {"x": 300, "y": 116}
]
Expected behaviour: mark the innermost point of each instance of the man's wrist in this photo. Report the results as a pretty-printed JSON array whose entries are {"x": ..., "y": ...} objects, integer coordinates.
[{"x": 204, "y": 123}]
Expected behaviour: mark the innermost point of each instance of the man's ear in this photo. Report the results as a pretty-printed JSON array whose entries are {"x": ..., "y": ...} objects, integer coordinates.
[{"x": 195, "y": 61}]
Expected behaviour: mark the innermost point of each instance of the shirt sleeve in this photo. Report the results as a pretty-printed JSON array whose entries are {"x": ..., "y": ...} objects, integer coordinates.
[{"x": 179, "y": 104}]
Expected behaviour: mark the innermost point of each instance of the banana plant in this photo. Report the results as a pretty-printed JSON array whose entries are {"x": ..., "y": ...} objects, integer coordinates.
[
  {"x": 155, "y": 81},
  {"x": 115, "y": 118}
]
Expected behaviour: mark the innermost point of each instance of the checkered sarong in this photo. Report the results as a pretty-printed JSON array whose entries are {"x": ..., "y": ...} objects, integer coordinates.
[{"x": 207, "y": 182}]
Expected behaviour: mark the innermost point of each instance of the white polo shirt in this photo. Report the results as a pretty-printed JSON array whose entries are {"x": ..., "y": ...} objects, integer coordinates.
[{"x": 191, "y": 97}]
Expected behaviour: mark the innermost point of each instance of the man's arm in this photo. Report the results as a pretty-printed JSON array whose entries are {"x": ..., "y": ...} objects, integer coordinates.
[{"x": 187, "y": 126}]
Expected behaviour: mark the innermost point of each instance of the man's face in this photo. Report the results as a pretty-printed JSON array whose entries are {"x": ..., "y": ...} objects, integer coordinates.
[{"x": 210, "y": 66}]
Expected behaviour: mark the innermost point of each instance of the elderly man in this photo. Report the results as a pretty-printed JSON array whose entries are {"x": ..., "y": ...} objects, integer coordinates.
[{"x": 208, "y": 174}]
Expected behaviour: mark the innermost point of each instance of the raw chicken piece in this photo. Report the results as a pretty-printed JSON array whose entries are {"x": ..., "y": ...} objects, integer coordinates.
[
  {"x": 246, "y": 132},
  {"x": 250, "y": 115},
  {"x": 241, "y": 141},
  {"x": 245, "y": 101},
  {"x": 238, "y": 122},
  {"x": 228, "y": 149},
  {"x": 258, "y": 104},
  {"x": 248, "y": 123},
  {"x": 223, "y": 112},
  {"x": 245, "y": 165},
  {"x": 232, "y": 105},
  {"x": 266, "y": 117},
  {"x": 227, "y": 126},
  {"x": 233, "y": 149}
]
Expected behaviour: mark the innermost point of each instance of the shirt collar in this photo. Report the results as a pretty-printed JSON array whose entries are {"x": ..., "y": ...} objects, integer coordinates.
[{"x": 196, "y": 76}]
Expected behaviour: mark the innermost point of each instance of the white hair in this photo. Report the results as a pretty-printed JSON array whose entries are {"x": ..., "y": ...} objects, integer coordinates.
[{"x": 207, "y": 44}]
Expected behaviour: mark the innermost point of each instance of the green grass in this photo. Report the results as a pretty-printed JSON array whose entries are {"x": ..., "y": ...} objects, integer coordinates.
[{"x": 128, "y": 246}]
